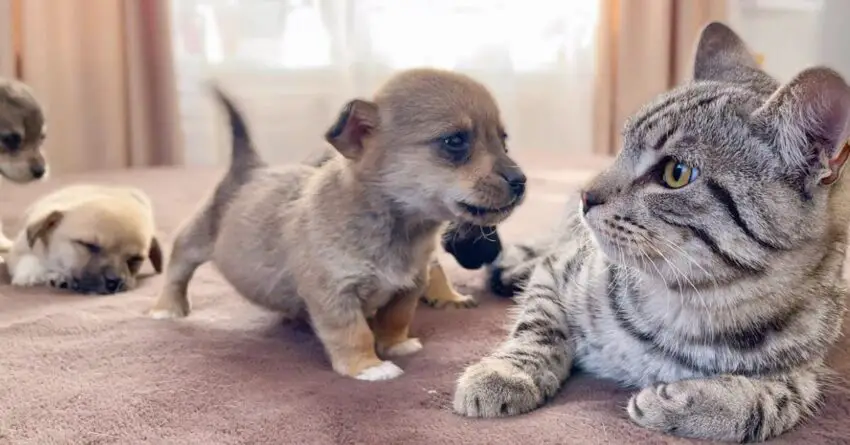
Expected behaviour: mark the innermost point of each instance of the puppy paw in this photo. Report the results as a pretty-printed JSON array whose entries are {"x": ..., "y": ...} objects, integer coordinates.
[
  {"x": 458, "y": 301},
  {"x": 5, "y": 243},
  {"x": 170, "y": 306},
  {"x": 407, "y": 347},
  {"x": 385, "y": 371},
  {"x": 60, "y": 282},
  {"x": 494, "y": 388},
  {"x": 29, "y": 272}
]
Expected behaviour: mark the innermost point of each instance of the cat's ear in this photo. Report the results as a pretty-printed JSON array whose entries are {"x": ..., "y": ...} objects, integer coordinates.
[
  {"x": 807, "y": 121},
  {"x": 722, "y": 56}
]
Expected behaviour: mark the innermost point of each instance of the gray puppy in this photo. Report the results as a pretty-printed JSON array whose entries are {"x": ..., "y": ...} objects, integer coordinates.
[
  {"x": 350, "y": 243},
  {"x": 22, "y": 131}
]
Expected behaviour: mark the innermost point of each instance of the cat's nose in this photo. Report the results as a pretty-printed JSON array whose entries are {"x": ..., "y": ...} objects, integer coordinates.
[{"x": 590, "y": 200}]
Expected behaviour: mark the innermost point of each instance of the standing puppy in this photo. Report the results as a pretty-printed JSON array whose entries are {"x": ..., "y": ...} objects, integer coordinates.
[
  {"x": 350, "y": 243},
  {"x": 22, "y": 130}
]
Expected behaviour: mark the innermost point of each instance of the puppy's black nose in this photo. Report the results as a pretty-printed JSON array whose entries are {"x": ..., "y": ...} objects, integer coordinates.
[
  {"x": 113, "y": 285},
  {"x": 590, "y": 200},
  {"x": 37, "y": 170},
  {"x": 516, "y": 181}
]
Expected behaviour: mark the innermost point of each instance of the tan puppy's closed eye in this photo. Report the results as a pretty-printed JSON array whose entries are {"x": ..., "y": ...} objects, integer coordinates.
[{"x": 86, "y": 238}]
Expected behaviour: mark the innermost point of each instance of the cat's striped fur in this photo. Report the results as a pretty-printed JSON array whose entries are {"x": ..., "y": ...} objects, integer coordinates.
[{"x": 719, "y": 299}]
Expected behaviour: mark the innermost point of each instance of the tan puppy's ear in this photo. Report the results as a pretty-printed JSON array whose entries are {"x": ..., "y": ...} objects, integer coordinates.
[
  {"x": 155, "y": 255},
  {"x": 357, "y": 120},
  {"x": 42, "y": 227}
]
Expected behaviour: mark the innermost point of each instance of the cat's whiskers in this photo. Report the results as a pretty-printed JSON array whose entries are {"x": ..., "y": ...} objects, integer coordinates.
[
  {"x": 692, "y": 261},
  {"x": 677, "y": 271}
]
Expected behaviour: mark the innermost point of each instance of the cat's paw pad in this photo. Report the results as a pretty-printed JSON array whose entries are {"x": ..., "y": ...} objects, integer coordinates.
[
  {"x": 661, "y": 407},
  {"x": 385, "y": 371},
  {"x": 493, "y": 388},
  {"x": 458, "y": 301},
  {"x": 407, "y": 347}
]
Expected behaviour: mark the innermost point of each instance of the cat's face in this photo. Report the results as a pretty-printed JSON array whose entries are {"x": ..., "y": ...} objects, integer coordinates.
[{"x": 717, "y": 177}]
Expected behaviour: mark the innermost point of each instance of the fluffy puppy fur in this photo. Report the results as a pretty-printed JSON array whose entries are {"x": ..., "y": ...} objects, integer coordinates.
[
  {"x": 86, "y": 238},
  {"x": 349, "y": 244},
  {"x": 471, "y": 245},
  {"x": 22, "y": 130}
]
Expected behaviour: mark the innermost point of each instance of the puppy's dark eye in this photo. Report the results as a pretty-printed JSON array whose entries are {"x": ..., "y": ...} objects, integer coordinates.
[
  {"x": 134, "y": 263},
  {"x": 93, "y": 249},
  {"x": 12, "y": 141},
  {"x": 456, "y": 145},
  {"x": 504, "y": 137}
]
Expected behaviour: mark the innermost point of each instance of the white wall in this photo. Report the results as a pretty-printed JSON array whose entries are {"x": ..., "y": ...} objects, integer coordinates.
[
  {"x": 786, "y": 32},
  {"x": 834, "y": 38}
]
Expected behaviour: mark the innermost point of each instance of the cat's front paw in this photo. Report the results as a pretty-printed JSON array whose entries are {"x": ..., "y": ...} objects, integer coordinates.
[
  {"x": 493, "y": 388},
  {"x": 690, "y": 408}
]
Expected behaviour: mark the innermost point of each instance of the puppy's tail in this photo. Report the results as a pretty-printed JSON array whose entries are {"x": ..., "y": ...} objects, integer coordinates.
[{"x": 243, "y": 155}]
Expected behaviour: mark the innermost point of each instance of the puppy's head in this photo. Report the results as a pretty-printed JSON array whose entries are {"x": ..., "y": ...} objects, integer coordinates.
[
  {"x": 434, "y": 142},
  {"x": 100, "y": 248},
  {"x": 22, "y": 131}
]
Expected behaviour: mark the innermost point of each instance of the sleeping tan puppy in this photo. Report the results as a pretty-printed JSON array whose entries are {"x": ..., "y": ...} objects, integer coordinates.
[
  {"x": 86, "y": 238},
  {"x": 22, "y": 130},
  {"x": 350, "y": 243}
]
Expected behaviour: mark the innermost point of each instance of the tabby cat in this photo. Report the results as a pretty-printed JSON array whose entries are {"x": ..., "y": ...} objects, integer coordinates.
[{"x": 703, "y": 267}]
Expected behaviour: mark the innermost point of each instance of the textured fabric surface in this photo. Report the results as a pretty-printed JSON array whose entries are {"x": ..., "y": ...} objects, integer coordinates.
[{"x": 95, "y": 370}]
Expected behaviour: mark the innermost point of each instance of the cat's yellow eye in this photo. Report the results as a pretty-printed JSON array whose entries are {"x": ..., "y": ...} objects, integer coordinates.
[{"x": 677, "y": 174}]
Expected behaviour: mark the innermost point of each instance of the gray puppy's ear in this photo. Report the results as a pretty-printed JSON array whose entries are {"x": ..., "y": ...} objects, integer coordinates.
[
  {"x": 41, "y": 228},
  {"x": 357, "y": 120},
  {"x": 806, "y": 121},
  {"x": 721, "y": 55},
  {"x": 155, "y": 255}
]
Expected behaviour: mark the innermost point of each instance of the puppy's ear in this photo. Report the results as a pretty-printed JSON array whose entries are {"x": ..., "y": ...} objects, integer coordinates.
[
  {"x": 357, "y": 120},
  {"x": 155, "y": 255},
  {"x": 40, "y": 229}
]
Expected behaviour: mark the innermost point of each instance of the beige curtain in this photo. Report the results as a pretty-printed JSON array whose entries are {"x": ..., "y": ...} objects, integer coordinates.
[
  {"x": 104, "y": 72},
  {"x": 644, "y": 48}
]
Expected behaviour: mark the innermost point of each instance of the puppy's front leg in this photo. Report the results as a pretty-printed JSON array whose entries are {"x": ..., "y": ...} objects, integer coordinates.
[
  {"x": 392, "y": 325},
  {"x": 441, "y": 294},
  {"x": 344, "y": 332}
]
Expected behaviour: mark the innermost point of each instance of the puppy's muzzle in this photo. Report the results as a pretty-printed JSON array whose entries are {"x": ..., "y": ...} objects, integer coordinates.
[
  {"x": 516, "y": 182},
  {"x": 38, "y": 170},
  {"x": 105, "y": 284}
]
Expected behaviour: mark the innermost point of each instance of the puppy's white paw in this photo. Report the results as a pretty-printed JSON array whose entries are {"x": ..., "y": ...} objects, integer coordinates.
[
  {"x": 407, "y": 347},
  {"x": 165, "y": 314},
  {"x": 458, "y": 301},
  {"x": 385, "y": 371},
  {"x": 29, "y": 272},
  {"x": 5, "y": 243}
]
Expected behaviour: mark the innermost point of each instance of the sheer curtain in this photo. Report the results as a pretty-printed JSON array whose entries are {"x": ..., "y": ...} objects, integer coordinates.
[{"x": 292, "y": 64}]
